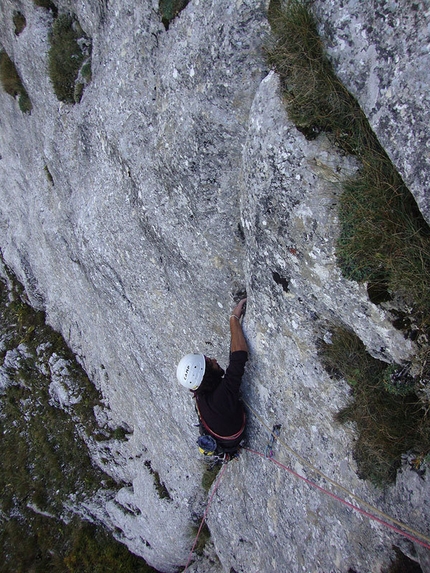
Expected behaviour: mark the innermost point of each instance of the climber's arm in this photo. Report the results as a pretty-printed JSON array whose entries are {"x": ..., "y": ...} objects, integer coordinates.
[{"x": 238, "y": 341}]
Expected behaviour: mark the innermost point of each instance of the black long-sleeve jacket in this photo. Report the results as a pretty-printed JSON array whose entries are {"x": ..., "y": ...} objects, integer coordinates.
[{"x": 221, "y": 409}]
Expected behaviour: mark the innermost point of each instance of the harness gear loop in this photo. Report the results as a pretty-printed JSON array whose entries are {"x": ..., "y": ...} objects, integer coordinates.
[{"x": 207, "y": 445}]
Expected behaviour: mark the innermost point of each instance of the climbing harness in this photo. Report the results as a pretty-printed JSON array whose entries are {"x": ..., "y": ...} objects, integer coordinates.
[
  {"x": 371, "y": 512},
  {"x": 274, "y": 435},
  {"x": 213, "y": 454},
  {"x": 218, "y": 449},
  {"x": 217, "y": 436}
]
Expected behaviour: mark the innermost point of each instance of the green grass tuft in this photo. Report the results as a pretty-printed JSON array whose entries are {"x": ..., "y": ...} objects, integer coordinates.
[
  {"x": 390, "y": 418},
  {"x": 209, "y": 476},
  {"x": 169, "y": 9},
  {"x": 86, "y": 72},
  {"x": 48, "y": 5},
  {"x": 94, "y": 551},
  {"x": 12, "y": 83},
  {"x": 204, "y": 538},
  {"x": 384, "y": 240},
  {"x": 384, "y": 237},
  {"x": 39, "y": 544},
  {"x": 66, "y": 57},
  {"x": 163, "y": 492},
  {"x": 316, "y": 100},
  {"x": 19, "y": 22}
]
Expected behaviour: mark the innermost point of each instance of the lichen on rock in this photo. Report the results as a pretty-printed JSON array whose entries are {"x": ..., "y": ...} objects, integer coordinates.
[{"x": 177, "y": 182}]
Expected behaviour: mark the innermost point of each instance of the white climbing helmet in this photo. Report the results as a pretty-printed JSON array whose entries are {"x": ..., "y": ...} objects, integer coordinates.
[{"x": 190, "y": 370}]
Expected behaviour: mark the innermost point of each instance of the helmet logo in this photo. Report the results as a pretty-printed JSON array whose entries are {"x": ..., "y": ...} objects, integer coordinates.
[{"x": 190, "y": 370}]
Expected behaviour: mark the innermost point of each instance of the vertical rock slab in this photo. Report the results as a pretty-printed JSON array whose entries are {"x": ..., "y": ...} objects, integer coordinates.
[
  {"x": 281, "y": 522},
  {"x": 134, "y": 217},
  {"x": 381, "y": 52},
  {"x": 120, "y": 215}
]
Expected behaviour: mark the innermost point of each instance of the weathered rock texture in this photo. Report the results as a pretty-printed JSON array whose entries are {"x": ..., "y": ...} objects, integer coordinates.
[
  {"x": 381, "y": 51},
  {"x": 177, "y": 182}
]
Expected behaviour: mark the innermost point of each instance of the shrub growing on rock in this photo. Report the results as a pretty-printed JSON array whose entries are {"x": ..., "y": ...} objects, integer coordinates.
[
  {"x": 169, "y": 9},
  {"x": 384, "y": 240},
  {"x": 389, "y": 417},
  {"x": 12, "y": 83},
  {"x": 46, "y": 4},
  {"x": 67, "y": 55}
]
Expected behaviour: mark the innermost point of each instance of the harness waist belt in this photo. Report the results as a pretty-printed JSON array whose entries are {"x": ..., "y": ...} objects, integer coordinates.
[{"x": 215, "y": 435}]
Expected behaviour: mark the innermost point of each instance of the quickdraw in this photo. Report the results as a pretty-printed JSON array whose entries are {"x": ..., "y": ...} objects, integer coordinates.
[{"x": 274, "y": 435}]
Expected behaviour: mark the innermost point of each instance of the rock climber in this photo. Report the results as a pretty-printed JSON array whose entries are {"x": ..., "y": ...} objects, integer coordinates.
[{"x": 216, "y": 392}]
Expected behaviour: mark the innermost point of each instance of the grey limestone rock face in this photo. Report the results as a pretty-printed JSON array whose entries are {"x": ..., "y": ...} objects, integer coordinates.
[
  {"x": 176, "y": 183},
  {"x": 381, "y": 51},
  {"x": 286, "y": 178}
]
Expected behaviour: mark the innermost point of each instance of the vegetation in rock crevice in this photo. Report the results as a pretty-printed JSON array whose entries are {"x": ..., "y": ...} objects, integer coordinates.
[
  {"x": 390, "y": 418},
  {"x": 169, "y": 9},
  {"x": 48, "y": 5},
  {"x": 69, "y": 59},
  {"x": 162, "y": 491},
  {"x": 209, "y": 476},
  {"x": 12, "y": 83},
  {"x": 45, "y": 467},
  {"x": 384, "y": 240},
  {"x": 48, "y": 544},
  {"x": 19, "y": 22},
  {"x": 401, "y": 563},
  {"x": 203, "y": 539}
]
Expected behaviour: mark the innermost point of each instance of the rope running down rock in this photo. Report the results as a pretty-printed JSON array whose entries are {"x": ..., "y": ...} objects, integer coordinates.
[{"x": 412, "y": 533}]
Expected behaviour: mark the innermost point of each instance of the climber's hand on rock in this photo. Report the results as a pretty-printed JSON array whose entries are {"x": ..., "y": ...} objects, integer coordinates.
[{"x": 239, "y": 309}]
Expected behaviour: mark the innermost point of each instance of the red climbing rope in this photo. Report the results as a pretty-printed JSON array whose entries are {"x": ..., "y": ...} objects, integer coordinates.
[
  {"x": 347, "y": 503},
  {"x": 215, "y": 487},
  {"x": 373, "y": 511},
  {"x": 412, "y": 536}
]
